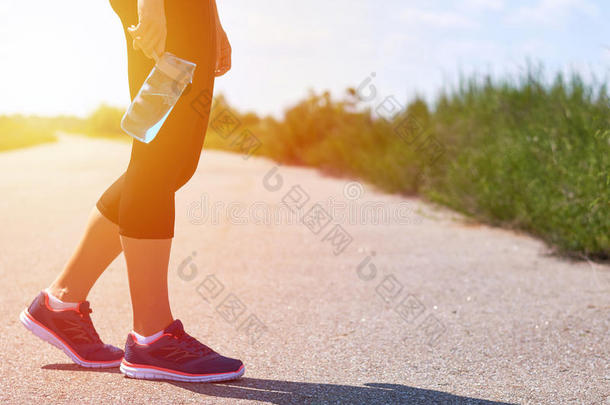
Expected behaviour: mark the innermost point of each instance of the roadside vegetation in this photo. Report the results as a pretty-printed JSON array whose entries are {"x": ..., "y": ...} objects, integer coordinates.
[
  {"x": 521, "y": 153},
  {"x": 18, "y": 131}
]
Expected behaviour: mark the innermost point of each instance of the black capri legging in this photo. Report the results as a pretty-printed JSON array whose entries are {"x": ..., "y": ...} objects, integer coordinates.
[{"x": 141, "y": 201}]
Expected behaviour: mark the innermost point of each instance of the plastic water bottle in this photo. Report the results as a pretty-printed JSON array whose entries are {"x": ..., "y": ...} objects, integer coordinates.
[{"x": 157, "y": 97}]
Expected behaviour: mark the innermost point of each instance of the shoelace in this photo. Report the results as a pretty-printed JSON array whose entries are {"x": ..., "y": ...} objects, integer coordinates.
[
  {"x": 88, "y": 325},
  {"x": 191, "y": 343}
]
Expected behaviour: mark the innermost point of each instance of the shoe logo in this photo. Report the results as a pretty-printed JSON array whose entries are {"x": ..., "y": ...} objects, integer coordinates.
[{"x": 176, "y": 353}]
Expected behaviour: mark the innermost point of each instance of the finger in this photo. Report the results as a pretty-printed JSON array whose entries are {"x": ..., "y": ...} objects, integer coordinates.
[
  {"x": 226, "y": 62},
  {"x": 136, "y": 35},
  {"x": 146, "y": 32},
  {"x": 221, "y": 71},
  {"x": 157, "y": 43},
  {"x": 160, "y": 47},
  {"x": 133, "y": 30},
  {"x": 140, "y": 38},
  {"x": 149, "y": 43},
  {"x": 148, "y": 51}
]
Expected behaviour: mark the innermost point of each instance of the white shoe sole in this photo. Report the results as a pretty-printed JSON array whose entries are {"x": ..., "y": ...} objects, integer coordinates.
[
  {"x": 150, "y": 373},
  {"x": 48, "y": 336}
]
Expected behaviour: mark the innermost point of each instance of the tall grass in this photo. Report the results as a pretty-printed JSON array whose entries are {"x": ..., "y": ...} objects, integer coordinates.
[
  {"x": 518, "y": 153},
  {"x": 528, "y": 155},
  {"x": 18, "y": 131},
  {"x": 105, "y": 122}
]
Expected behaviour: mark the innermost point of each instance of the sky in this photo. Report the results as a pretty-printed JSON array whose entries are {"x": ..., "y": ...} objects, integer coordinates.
[{"x": 68, "y": 56}]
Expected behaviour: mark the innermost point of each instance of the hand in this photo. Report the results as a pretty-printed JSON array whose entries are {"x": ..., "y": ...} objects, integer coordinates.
[
  {"x": 151, "y": 32},
  {"x": 223, "y": 53}
]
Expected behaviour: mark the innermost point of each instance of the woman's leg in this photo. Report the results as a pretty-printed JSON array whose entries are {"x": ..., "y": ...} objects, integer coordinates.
[
  {"x": 147, "y": 262},
  {"x": 141, "y": 202},
  {"x": 99, "y": 246},
  {"x": 66, "y": 323},
  {"x": 145, "y": 209}
]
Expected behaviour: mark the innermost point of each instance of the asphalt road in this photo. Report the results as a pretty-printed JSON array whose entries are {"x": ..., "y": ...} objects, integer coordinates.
[{"x": 380, "y": 299}]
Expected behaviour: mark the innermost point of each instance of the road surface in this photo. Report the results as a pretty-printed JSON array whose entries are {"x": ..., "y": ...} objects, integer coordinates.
[{"x": 328, "y": 290}]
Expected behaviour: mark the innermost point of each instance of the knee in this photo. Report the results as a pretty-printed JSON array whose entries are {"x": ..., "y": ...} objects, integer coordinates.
[
  {"x": 186, "y": 174},
  {"x": 147, "y": 208}
]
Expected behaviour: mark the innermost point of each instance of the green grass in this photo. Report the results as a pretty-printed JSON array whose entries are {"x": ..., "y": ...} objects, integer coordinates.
[
  {"x": 17, "y": 131},
  {"x": 519, "y": 153},
  {"x": 531, "y": 156},
  {"x": 20, "y": 132},
  {"x": 104, "y": 122}
]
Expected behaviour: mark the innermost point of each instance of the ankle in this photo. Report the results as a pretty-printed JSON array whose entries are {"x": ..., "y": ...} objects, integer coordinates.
[
  {"x": 144, "y": 340},
  {"x": 152, "y": 327},
  {"x": 63, "y": 293},
  {"x": 59, "y": 304}
]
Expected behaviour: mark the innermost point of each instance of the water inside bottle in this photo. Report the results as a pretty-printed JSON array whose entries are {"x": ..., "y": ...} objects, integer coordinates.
[
  {"x": 148, "y": 113},
  {"x": 145, "y": 134},
  {"x": 157, "y": 96}
]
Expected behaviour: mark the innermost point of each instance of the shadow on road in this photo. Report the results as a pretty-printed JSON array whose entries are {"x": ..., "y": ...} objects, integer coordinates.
[
  {"x": 76, "y": 367},
  {"x": 290, "y": 392}
]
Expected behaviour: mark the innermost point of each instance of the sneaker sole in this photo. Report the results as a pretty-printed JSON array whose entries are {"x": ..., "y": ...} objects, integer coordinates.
[
  {"x": 145, "y": 372},
  {"x": 49, "y": 336}
]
